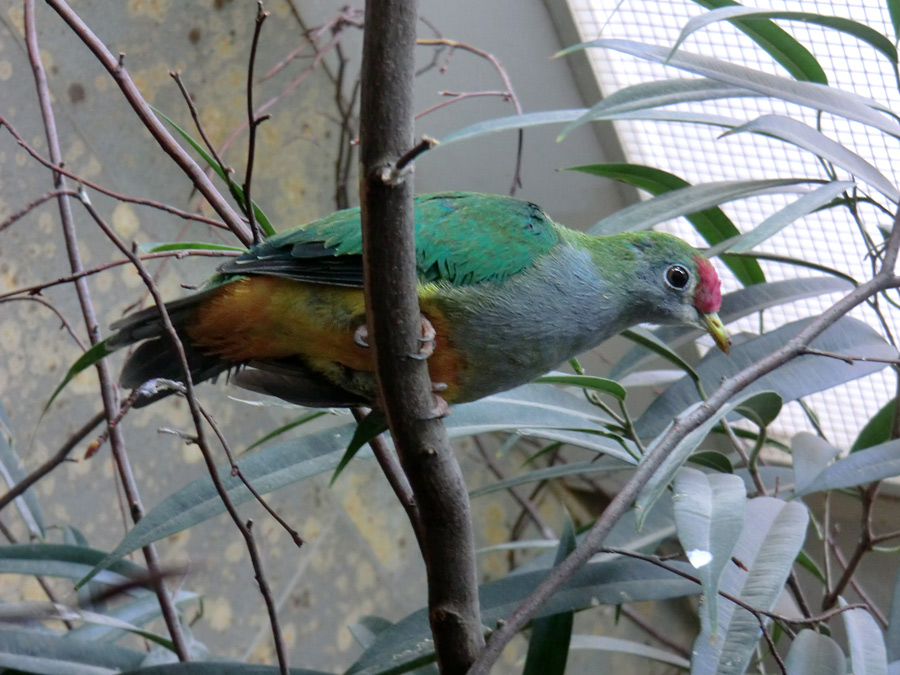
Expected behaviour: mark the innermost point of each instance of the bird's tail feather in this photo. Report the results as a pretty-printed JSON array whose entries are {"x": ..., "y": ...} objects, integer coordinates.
[{"x": 157, "y": 357}]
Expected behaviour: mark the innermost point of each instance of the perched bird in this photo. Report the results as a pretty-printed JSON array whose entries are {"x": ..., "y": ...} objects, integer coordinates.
[{"x": 508, "y": 293}]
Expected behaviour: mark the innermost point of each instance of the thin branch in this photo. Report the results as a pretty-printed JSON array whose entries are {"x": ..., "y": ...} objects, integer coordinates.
[
  {"x": 253, "y": 121},
  {"x": 883, "y": 280},
  {"x": 185, "y": 215},
  {"x": 107, "y": 388},
  {"x": 197, "y": 417},
  {"x": 59, "y": 315},
  {"x": 37, "y": 288}
]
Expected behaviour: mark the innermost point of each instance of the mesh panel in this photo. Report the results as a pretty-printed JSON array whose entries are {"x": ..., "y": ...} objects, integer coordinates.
[{"x": 697, "y": 154}]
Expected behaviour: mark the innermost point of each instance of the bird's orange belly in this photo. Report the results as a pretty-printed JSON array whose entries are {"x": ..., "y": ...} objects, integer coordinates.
[{"x": 260, "y": 318}]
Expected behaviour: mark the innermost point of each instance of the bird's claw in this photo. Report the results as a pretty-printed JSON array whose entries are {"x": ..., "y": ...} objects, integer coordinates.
[
  {"x": 361, "y": 336},
  {"x": 440, "y": 410},
  {"x": 426, "y": 341}
]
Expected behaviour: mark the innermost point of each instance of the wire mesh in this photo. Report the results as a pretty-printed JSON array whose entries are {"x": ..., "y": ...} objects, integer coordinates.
[{"x": 700, "y": 154}]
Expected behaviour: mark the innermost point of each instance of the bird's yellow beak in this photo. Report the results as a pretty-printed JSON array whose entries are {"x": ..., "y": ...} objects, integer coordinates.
[{"x": 716, "y": 328}]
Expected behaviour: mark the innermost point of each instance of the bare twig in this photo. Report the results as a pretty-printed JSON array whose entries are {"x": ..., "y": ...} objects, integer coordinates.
[
  {"x": 883, "y": 280},
  {"x": 197, "y": 418},
  {"x": 107, "y": 388},
  {"x": 59, "y": 315},
  {"x": 253, "y": 121},
  {"x": 395, "y": 326}
]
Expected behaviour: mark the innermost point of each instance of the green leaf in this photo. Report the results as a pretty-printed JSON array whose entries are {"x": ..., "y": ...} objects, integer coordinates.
[
  {"x": 609, "y": 644},
  {"x": 877, "y": 429},
  {"x": 711, "y": 459},
  {"x": 812, "y": 201},
  {"x": 894, "y": 10},
  {"x": 93, "y": 355},
  {"x": 808, "y": 94},
  {"x": 811, "y": 456},
  {"x": 647, "y": 340},
  {"x": 769, "y": 543},
  {"x": 548, "y": 647},
  {"x": 61, "y": 560},
  {"x": 49, "y": 654},
  {"x": 709, "y": 516},
  {"x": 867, "y": 651},
  {"x": 125, "y": 617},
  {"x": 892, "y": 638},
  {"x": 815, "y": 654},
  {"x": 13, "y": 472},
  {"x": 657, "y": 484},
  {"x": 154, "y": 247},
  {"x": 605, "y": 466},
  {"x": 762, "y": 409},
  {"x": 374, "y": 424},
  {"x": 512, "y": 122},
  {"x": 814, "y": 141},
  {"x": 599, "y": 384},
  {"x": 639, "y": 97},
  {"x": 799, "y": 377},
  {"x": 744, "y": 17},
  {"x": 861, "y": 467},
  {"x": 406, "y": 644},
  {"x": 300, "y": 421},
  {"x": 261, "y": 218}
]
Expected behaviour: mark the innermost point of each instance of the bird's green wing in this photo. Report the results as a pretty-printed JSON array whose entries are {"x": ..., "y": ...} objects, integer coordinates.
[{"x": 461, "y": 237}]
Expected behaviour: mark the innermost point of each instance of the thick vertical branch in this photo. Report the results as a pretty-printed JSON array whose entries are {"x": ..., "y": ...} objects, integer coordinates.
[{"x": 386, "y": 195}]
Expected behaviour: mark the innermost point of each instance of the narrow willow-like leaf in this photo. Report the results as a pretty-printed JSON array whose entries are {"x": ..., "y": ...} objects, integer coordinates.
[
  {"x": 738, "y": 15},
  {"x": 605, "y": 465},
  {"x": 133, "y": 613},
  {"x": 96, "y": 353},
  {"x": 709, "y": 515},
  {"x": 48, "y": 654},
  {"x": 861, "y": 467},
  {"x": 603, "y": 643},
  {"x": 154, "y": 247},
  {"x": 815, "y": 654},
  {"x": 261, "y": 218},
  {"x": 599, "y": 384},
  {"x": 512, "y": 122},
  {"x": 647, "y": 340},
  {"x": 66, "y": 561},
  {"x": 808, "y": 94},
  {"x": 814, "y": 141},
  {"x": 299, "y": 422},
  {"x": 640, "y": 97},
  {"x": 772, "y": 536},
  {"x": 374, "y": 424},
  {"x": 735, "y": 305},
  {"x": 406, "y": 645},
  {"x": 776, "y": 42},
  {"x": 550, "y": 635},
  {"x": 799, "y": 377},
  {"x": 867, "y": 651},
  {"x": 812, "y": 201},
  {"x": 894, "y": 11}
]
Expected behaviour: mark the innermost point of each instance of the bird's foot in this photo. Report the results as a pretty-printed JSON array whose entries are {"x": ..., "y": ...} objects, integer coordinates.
[
  {"x": 426, "y": 341},
  {"x": 441, "y": 408},
  {"x": 361, "y": 336}
]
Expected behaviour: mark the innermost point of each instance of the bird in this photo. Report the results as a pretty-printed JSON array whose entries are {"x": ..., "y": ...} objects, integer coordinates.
[{"x": 506, "y": 295}]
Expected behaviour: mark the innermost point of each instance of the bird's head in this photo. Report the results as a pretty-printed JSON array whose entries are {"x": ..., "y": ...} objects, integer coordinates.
[{"x": 678, "y": 285}]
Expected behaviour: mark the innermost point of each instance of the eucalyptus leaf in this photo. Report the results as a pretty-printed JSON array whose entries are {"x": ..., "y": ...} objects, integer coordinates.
[
  {"x": 878, "y": 429},
  {"x": 812, "y": 455},
  {"x": 61, "y": 560},
  {"x": 13, "y": 472},
  {"x": 861, "y": 467},
  {"x": 512, "y": 122}
]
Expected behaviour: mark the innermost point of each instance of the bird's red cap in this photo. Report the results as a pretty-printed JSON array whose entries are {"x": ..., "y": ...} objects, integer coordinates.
[{"x": 708, "y": 293}]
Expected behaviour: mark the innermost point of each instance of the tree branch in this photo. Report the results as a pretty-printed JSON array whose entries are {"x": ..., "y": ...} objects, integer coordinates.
[{"x": 395, "y": 326}]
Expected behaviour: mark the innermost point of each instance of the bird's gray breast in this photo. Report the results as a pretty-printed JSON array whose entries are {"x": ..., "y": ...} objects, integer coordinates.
[{"x": 513, "y": 331}]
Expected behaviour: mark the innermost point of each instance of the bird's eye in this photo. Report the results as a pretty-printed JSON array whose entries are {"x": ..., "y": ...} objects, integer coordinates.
[{"x": 677, "y": 277}]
